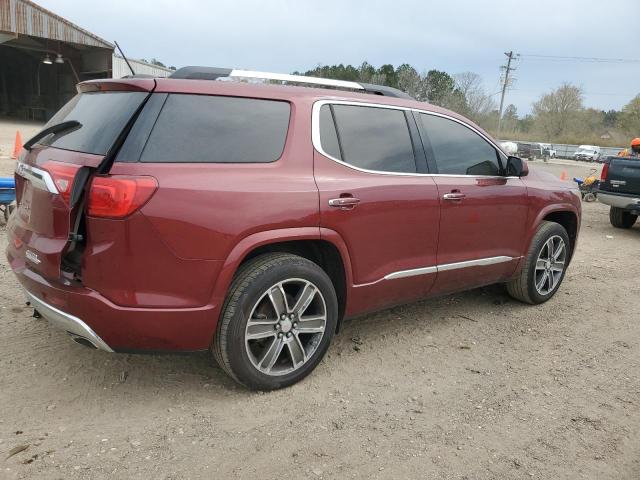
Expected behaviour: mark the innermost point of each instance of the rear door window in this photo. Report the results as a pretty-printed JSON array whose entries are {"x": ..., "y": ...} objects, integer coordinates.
[
  {"x": 216, "y": 129},
  {"x": 102, "y": 115},
  {"x": 374, "y": 138},
  {"x": 458, "y": 150}
]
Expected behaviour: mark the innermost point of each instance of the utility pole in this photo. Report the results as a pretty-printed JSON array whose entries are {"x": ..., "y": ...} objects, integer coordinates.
[{"x": 507, "y": 70}]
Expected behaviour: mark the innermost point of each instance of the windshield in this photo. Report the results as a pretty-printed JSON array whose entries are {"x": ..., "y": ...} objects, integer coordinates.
[{"x": 102, "y": 116}]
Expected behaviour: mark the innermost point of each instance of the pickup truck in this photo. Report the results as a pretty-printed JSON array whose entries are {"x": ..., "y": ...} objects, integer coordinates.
[
  {"x": 530, "y": 150},
  {"x": 620, "y": 189},
  {"x": 588, "y": 153}
]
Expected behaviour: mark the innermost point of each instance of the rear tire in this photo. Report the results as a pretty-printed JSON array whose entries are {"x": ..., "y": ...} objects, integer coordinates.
[
  {"x": 277, "y": 321},
  {"x": 620, "y": 218},
  {"x": 544, "y": 265}
]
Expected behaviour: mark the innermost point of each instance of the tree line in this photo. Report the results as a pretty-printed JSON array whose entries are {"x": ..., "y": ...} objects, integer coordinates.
[{"x": 558, "y": 116}]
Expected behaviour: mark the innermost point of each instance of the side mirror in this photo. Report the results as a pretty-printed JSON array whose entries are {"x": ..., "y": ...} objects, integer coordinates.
[{"x": 516, "y": 167}]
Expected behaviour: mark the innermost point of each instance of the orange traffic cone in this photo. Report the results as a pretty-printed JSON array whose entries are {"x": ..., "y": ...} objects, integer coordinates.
[
  {"x": 563, "y": 175},
  {"x": 17, "y": 147}
]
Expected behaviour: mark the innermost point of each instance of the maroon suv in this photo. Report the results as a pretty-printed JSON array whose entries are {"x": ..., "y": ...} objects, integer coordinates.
[{"x": 192, "y": 213}]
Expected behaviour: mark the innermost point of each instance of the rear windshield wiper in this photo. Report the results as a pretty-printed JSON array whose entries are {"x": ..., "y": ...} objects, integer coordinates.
[{"x": 57, "y": 129}]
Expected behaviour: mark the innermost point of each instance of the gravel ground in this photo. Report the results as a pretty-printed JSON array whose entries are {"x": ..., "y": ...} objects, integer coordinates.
[
  {"x": 8, "y": 128},
  {"x": 468, "y": 386}
]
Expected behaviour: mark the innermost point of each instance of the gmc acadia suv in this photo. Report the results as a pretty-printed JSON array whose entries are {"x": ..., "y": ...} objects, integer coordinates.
[{"x": 193, "y": 213}]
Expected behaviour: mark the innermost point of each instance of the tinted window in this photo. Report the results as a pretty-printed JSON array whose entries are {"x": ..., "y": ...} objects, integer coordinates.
[
  {"x": 102, "y": 115},
  {"x": 328, "y": 135},
  {"x": 458, "y": 149},
  {"x": 375, "y": 138},
  {"x": 197, "y": 128}
]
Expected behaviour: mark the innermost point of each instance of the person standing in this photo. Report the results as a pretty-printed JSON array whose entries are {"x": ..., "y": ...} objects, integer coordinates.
[{"x": 633, "y": 151}]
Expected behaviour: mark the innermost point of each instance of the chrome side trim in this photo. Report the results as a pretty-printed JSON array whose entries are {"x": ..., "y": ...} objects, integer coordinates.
[
  {"x": 296, "y": 78},
  {"x": 39, "y": 178},
  {"x": 317, "y": 145},
  {"x": 474, "y": 263},
  {"x": 445, "y": 267},
  {"x": 68, "y": 323},
  {"x": 411, "y": 273}
]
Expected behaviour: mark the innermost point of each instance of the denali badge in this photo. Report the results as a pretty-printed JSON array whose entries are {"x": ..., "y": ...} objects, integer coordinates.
[{"x": 33, "y": 256}]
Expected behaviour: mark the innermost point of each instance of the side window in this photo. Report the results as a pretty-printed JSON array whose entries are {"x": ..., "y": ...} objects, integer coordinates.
[
  {"x": 328, "y": 134},
  {"x": 374, "y": 138},
  {"x": 216, "y": 129},
  {"x": 458, "y": 150}
]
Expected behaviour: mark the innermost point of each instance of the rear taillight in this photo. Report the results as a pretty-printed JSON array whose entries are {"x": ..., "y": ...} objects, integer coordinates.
[
  {"x": 62, "y": 175},
  {"x": 604, "y": 173},
  {"x": 119, "y": 196}
]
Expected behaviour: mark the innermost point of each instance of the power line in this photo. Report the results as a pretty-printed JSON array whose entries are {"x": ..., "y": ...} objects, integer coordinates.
[
  {"x": 561, "y": 58},
  {"x": 617, "y": 94}
]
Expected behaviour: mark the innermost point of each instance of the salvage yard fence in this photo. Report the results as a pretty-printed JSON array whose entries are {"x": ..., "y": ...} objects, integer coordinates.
[{"x": 567, "y": 151}]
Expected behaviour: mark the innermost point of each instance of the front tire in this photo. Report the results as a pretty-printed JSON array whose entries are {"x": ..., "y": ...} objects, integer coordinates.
[
  {"x": 620, "y": 218},
  {"x": 277, "y": 321},
  {"x": 544, "y": 265}
]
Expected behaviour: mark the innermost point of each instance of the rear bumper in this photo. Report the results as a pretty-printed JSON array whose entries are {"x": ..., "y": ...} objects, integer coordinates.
[
  {"x": 87, "y": 314},
  {"x": 620, "y": 201},
  {"x": 70, "y": 324}
]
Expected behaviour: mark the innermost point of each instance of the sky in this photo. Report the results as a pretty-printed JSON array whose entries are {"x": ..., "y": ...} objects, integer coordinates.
[{"x": 455, "y": 36}]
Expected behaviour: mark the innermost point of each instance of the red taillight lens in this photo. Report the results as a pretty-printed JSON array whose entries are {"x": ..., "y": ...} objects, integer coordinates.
[
  {"x": 604, "y": 173},
  {"x": 119, "y": 196},
  {"x": 62, "y": 175}
]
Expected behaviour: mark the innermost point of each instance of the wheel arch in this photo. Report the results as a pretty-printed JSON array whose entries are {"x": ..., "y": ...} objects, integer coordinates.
[
  {"x": 321, "y": 252},
  {"x": 563, "y": 214},
  {"x": 569, "y": 221},
  {"x": 321, "y": 246}
]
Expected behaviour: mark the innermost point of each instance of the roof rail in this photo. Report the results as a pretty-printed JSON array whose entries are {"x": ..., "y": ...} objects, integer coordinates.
[
  {"x": 140, "y": 75},
  {"x": 214, "y": 73}
]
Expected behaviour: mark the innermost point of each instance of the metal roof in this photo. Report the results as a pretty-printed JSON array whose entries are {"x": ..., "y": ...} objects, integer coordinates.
[{"x": 26, "y": 18}]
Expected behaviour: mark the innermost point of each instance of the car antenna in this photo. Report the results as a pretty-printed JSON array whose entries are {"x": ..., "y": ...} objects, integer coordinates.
[{"x": 125, "y": 58}]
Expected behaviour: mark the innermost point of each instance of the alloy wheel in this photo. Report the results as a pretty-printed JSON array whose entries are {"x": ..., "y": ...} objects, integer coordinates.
[
  {"x": 550, "y": 265},
  {"x": 285, "y": 326}
]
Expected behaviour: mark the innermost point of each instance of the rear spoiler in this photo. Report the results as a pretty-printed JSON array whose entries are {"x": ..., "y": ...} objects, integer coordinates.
[{"x": 117, "y": 85}]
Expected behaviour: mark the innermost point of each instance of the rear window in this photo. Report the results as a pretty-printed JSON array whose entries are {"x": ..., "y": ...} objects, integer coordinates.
[
  {"x": 216, "y": 129},
  {"x": 102, "y": 115}
]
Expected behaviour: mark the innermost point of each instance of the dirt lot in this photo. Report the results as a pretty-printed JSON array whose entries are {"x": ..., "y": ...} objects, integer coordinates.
[
  {"x": 469, "y": 386},
  {"x": 8, "y": 129}
]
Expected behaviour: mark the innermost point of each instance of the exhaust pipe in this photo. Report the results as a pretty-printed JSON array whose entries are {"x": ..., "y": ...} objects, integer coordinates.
[{"x": 82, "y": 341}]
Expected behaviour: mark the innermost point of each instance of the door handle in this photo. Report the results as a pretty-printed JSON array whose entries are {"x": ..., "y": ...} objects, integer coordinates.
[
  {"x": 344, "y": 203},
  {"x": 454, "y": 196}
]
